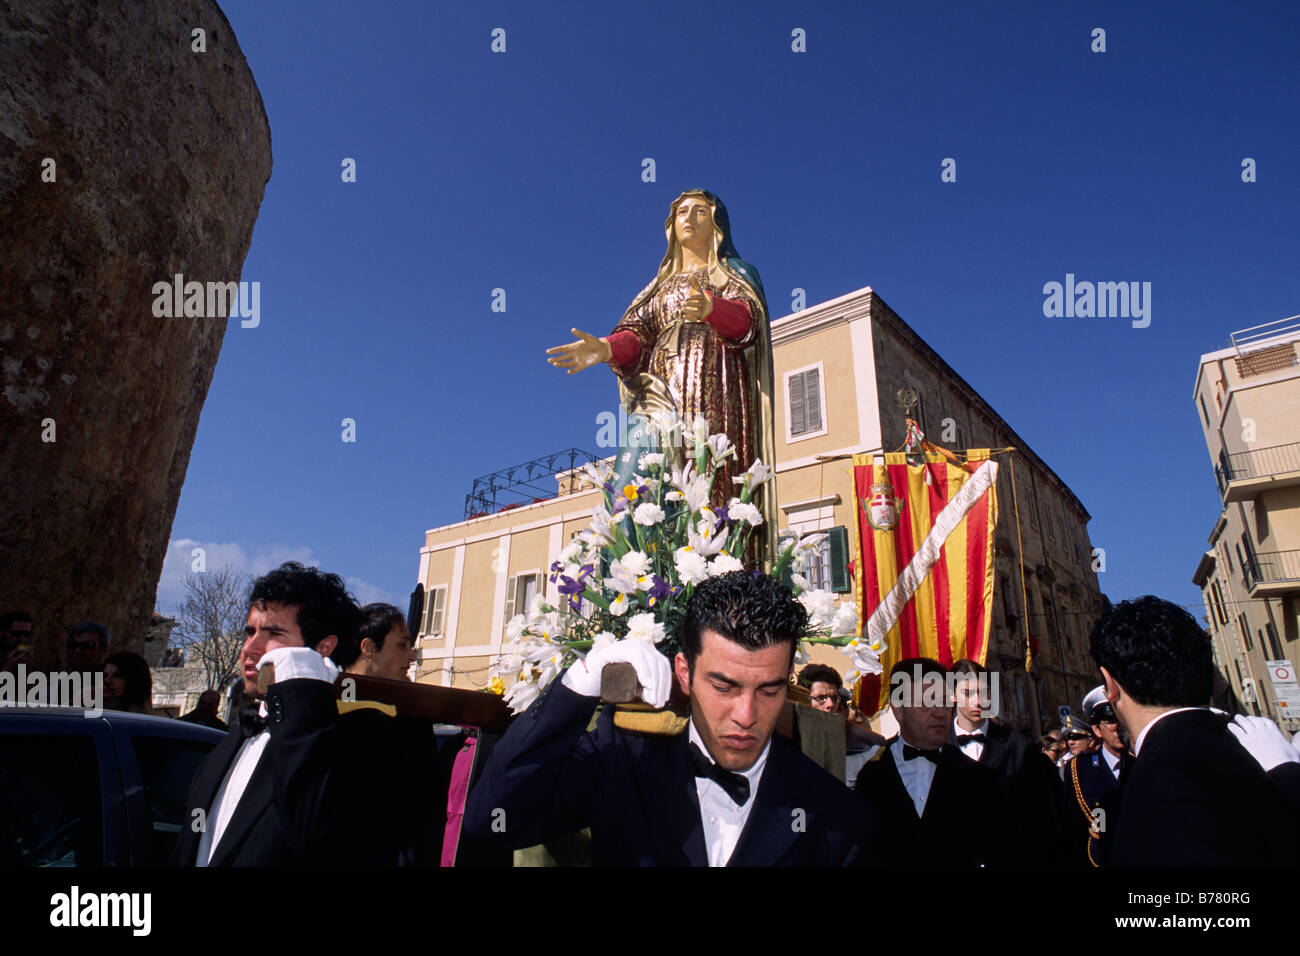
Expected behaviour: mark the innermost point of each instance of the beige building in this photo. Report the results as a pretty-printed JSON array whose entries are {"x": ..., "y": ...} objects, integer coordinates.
[
  {"x": 1248, "y": 402},
  {"x": 838, "y": 368}
]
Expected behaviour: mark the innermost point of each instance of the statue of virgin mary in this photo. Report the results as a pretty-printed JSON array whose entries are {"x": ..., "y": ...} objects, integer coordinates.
[{"x": 696, "y": 342}]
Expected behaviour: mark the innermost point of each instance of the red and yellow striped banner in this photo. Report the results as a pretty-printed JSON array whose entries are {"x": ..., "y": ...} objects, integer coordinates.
[{"x": 948, "y": 615}]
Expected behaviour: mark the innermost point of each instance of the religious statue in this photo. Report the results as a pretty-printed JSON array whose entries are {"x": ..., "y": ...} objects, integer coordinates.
[{"x": 695, "y": 343}]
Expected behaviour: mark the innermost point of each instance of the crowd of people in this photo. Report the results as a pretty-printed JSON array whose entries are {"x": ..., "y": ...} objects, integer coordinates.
[
  {"x": 382, "y": 648},
  {"x": 1149, "y": 774}
]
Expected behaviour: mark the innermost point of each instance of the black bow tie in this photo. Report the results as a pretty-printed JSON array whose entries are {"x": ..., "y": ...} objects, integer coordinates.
[
  {"x": 911, "y": 753},
  {"x": 250, "y": 724},
  {"x": 735, "y": 784},
  {"x": 963, "y": 739}
]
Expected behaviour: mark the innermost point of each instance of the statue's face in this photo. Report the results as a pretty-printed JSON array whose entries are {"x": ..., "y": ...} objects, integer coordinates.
[{"x": 693, "y": 224}]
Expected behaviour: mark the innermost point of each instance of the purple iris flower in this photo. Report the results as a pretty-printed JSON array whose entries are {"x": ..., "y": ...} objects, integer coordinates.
[{"x": 658, "y": 591}]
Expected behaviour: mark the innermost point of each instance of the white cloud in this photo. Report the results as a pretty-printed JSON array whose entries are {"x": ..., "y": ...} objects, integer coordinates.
[
  {"x": 366, "y": 593},
  {"x": 219, "y": 554}
]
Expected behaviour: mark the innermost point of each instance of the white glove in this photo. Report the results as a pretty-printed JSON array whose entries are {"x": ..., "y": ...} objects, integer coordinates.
[
  {"x": 1263, "y": 741},
  {"x": 291, "y": 663},
  {"x": 652, "y": 670}
]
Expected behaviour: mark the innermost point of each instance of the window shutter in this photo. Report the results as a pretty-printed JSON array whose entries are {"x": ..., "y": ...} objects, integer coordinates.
[
  {"x": 510, "y": 597},
  {"x": 440, "y": 599},
  {"x": 839, "y": 538},
  {"x": 812, "y": 393},
  {"x": 797, "y": 419},
  {"x": 426, "y": 623}
]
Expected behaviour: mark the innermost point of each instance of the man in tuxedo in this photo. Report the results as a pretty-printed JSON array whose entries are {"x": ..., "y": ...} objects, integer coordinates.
[
  {"x": 1194, "y": 796},
  {"x": 383, "y": 646},
  {"x": 727, "y": 792},
  {"x": 1091, "y": 793},
  {"x": 1027, "y": 781},
  {"x": 935, "y": 806},
  {"x": 284, "y": 787}
]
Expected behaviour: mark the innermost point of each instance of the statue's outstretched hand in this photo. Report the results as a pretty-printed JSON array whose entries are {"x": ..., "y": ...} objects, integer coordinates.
[{"x": 587, "y": 351}]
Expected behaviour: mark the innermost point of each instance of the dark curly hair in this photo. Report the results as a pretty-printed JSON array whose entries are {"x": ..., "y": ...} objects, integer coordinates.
[
  {"x": 324, "y": 605},
  {"x": 751, "y": 609},
  {"x": 376, "y": 621},
  {"x": 134, "y": 671},
  {"x": 823, "y": 673},
  {"x": 1157, "y": 652}
]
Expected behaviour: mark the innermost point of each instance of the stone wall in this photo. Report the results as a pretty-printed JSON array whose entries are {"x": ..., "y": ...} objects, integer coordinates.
[{"x": 160, "y": 157}]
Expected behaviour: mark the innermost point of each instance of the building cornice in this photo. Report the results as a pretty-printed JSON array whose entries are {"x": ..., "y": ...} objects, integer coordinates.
[{"x": 824, "y": 315}]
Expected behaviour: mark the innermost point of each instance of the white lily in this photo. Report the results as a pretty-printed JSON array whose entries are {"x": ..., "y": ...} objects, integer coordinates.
[
  {"x": 705, "y": 539},
  {"x": 755, "y": 476},
  {"x": 515, "y": 628},
  {"x": 721, "y": 447},
  {"x": 521, "y": 694}
]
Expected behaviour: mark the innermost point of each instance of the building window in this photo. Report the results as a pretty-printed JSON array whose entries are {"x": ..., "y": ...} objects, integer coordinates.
[
  {"x": 1245, "y": 632},
  {"x": 1204, "y": 414},
  {"x": 805, "y": 403},
  {"x": 1274, "y": 644},
  {"x": 1227, "y": 558},
  {"x": 520, "y": 591},
  {"x": 1009, "y": 605},
  {"x": 827, "y": 566},
  {"x": 434, "y": 604},
  {"x": 1220, "y": 604}
]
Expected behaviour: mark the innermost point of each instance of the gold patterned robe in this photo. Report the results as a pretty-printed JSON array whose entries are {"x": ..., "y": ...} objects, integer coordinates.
[{"x": 706, "y": 374}]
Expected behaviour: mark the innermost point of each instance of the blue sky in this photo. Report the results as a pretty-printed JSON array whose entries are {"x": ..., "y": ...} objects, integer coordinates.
[{"x": 522, "y": 170}]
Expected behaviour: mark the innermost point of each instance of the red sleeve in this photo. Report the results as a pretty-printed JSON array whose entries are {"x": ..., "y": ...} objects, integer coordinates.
[
  {"x": 624, "y": 348},
  {"x": 729, "y": 317}
]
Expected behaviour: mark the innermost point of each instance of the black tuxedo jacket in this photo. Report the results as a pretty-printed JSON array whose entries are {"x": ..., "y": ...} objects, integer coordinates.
[
  {"x": 316, "y": 796},
  {"x": 1195, "y": 797},
  {"x": 963, "y": 824},
  {"x": 548, "y": 776},
  {"x": 1028, "y": 784}
]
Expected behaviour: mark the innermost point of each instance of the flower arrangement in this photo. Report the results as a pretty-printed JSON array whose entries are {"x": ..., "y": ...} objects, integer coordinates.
[{"x": 631, "y": 573}]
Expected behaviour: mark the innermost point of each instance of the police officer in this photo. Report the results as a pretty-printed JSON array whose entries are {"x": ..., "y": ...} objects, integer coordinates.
[{"x": 1093, "y": 778}]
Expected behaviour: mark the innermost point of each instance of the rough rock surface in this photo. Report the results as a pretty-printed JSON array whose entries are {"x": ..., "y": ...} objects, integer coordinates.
[{"x": 162, "y": 156}]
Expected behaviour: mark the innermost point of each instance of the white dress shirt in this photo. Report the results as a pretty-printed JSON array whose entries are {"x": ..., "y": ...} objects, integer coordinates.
[
  {"x": 229, "y": 794},
  {"x": 917, "y": 774},
  {"x": 972, "y": 748},
  {"x": 1142, "y": 734},
  {"x": 1111, "y": 761},
  {"x": 722, "y": 819}
]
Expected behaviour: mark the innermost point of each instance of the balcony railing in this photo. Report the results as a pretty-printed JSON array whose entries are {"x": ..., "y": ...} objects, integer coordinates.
[
  {"x": 1272, "y": 567},
  {"x": 1260, "y": 462}
]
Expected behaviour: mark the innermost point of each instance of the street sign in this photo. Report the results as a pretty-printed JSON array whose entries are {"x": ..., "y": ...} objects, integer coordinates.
[{"x": 1281, "y": 672}]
